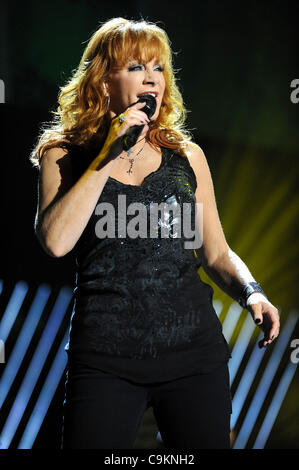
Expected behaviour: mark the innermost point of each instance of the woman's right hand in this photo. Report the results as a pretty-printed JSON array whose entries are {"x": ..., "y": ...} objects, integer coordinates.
[
  {"x": 113, "y": 145},
  {"x": 134, "y": 116}
]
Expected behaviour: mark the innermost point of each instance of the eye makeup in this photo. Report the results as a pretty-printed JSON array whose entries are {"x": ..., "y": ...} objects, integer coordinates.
[{"x": 137, "y": 66}]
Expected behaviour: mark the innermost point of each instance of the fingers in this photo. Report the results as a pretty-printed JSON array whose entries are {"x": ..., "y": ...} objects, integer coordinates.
[
  {"x": 266, "y": 316},
  {"x": 138, "y": 115},
  {"x": 120, "y": 124},
  {"x": 131, "y": 117},
  {"x": 136, "y": 110},
  {"x": 270, "y": 327},
  {"x": 256, "y": 312},
  {"x": 138, "y": 105}
]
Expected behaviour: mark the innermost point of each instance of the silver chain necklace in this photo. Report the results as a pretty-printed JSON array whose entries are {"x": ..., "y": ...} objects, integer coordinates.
[{"x": 131, "y": 160}]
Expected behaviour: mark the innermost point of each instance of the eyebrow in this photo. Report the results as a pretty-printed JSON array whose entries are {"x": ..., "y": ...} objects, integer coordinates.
[{"x": 143, "y": 61}]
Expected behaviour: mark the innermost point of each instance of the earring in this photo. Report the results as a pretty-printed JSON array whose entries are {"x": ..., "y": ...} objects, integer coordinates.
[{"x": 106, "y": 94}]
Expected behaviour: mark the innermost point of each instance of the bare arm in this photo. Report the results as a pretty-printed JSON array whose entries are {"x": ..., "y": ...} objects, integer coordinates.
[
  {"x": 64, "y": 208},
  {"x": 222, "y": 264}
]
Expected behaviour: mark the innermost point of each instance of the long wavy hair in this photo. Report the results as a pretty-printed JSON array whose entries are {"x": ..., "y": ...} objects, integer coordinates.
[{"x": 82, "y": 117}]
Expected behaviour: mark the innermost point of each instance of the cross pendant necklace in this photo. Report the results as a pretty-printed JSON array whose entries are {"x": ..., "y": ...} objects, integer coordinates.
[{"x": 131, "y": 160}]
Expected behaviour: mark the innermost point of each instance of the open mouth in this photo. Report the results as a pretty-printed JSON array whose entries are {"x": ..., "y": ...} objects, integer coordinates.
[{"x": 153, "y": 93}]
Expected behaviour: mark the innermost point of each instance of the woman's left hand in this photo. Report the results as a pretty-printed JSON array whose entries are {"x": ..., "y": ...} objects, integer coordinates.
[{"x": 265, "y": 315}]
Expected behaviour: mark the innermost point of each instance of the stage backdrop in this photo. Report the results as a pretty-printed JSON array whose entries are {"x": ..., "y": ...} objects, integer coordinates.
[{"x": 236, "y": 67}]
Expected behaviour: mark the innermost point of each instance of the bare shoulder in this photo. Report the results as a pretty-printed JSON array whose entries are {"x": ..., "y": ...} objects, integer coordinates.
[
  {"x": 56, "y": 162},
  {"x": 197, "y": 159},
  {"x": 55, "y": 177},
  {"x": 52, "y": 155}
]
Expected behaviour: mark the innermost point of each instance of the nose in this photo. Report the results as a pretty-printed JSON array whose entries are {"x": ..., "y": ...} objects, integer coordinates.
[{"x": 149, "y": 77}]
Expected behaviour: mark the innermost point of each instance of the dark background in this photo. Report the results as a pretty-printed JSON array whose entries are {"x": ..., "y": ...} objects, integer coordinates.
[{"x": 235, "y": 62}]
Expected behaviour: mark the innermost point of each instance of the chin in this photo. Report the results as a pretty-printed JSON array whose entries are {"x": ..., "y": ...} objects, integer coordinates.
[{"x": 155, "y": 116}]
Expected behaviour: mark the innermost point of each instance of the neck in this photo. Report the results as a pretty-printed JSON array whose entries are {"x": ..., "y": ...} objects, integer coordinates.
[{"x": 137, "y": 148}]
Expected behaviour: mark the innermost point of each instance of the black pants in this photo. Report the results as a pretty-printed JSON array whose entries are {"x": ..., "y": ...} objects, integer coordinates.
[{"x": 102, "y": 411}]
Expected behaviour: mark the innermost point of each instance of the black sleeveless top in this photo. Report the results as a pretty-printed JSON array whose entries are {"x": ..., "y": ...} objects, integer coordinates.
[{"x": 141, "y": 310}]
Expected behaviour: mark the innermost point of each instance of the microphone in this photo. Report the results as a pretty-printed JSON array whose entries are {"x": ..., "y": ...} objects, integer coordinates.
[{"x": 130, "y": 138}]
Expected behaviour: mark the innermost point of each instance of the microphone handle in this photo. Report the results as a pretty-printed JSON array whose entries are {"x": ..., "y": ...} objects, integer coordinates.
[{"x": 130, "y": 138}]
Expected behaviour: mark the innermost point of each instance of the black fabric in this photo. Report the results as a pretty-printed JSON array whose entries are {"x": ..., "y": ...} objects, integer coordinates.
[
  {"x": 102, "y": 411},
  {"x": 141, "y": 310}
]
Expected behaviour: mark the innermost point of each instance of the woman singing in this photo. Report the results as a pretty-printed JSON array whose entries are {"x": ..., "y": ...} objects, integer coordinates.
[{"x": 143, "y": 329}]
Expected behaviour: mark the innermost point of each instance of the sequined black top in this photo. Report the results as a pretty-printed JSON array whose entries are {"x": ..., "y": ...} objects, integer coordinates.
[{"x": 141, "y": 310}]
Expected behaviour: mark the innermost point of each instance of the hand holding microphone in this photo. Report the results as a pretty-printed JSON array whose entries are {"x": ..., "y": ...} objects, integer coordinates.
[
  {"x": 131, "y": 137},
  {"x": 127, "y": 127}
]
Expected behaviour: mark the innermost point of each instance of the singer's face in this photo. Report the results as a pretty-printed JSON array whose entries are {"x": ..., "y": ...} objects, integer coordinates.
[{"x": 127, "y": 84}]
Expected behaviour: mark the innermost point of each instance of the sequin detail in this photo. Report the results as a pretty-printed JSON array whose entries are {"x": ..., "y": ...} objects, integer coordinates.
[{"x": 141, "y": 298}]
